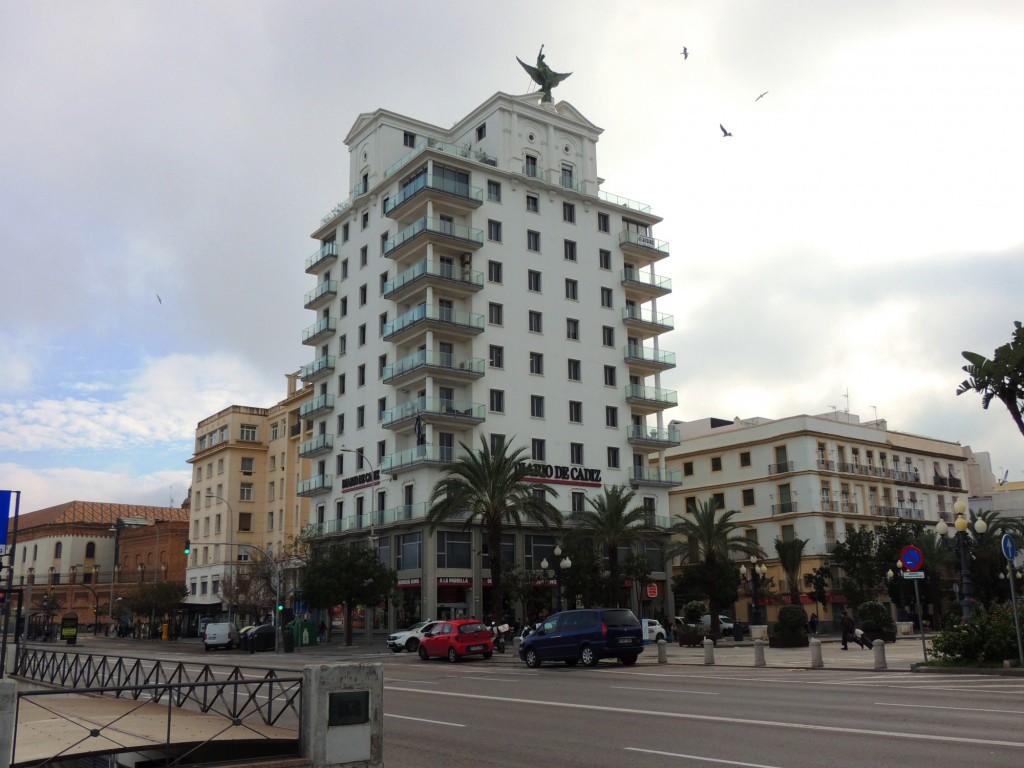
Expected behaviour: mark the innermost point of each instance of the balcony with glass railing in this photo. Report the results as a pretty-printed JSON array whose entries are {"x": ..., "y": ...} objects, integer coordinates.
[
  {"x": 319, "y": 403},
  {"x": 427, "y": 360},
  {"x": 375, "y": 519},
  {"x": 416, "y": 456},
  {"x": 655, "y": 476},
  {"x": 316, "y": 485},
  {"x": 319, "y": 330},
  {"x": 650, "y": 399},
  {"x": 444, "y": 147},
  {"x": 645, "y": 284},
  {"x": 423, "y": 317},
  {"x": 456, "y": 279},
  {"x": 623, "y": 202},
  {"x": 652, "y": 437},
  {"x": 643, "y": 246},
  {"x": 647, "y": 320},
  {"x": 327, "y": 254},
  {"x": 316, "y": 446},
  {"x": 648, "y": 358},
  {"x": 322, "y": 366},
  {"x": 322, "y": 294},
  {"x": 437, "y": 409},
  {"x": 434, "y": 230},
  {"x": 428, "y": 186},
  {"x": 336, "y": 211}
]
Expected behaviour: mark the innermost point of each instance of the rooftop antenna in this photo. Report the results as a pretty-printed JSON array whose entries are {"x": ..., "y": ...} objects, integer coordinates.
[
  {"x": 875, "y": 408},
  {"x": 170, "y": 491},
  {"x": 847, "y": 396},
  {"x": 835, "y": 415}
]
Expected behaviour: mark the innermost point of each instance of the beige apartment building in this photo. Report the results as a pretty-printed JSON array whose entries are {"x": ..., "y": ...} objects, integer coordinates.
[{"x": 246, "y": 467}]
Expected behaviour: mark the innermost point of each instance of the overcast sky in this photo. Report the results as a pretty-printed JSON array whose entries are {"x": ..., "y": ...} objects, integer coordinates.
[{"x": 861, "y": 227}]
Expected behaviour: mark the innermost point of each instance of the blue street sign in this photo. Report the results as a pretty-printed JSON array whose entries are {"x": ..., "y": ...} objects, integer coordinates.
[
  {"x": 5, "y": 512},
  {"x": 1009, "y": 547}
]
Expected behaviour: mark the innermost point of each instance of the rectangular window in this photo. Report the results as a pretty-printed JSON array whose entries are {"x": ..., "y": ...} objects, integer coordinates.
[
  {"x": 382, "y": 405},
  {"x": 343, "y": 344},
  {"x": 613, "y": 457},
  {"x": 344, "y": 232},
  {"x": 382, "y": 282},
  {"x": 603, "y": 224},
  {"x": 532, "y": 203},
  {"x": 341, "y": 383},
  {"x": 687, "y": 469},
  {"x": 532, "y": 241},
  {"x": 575, "y": 453},
  {"x": 454, "y": 549},
  {"x": 497, "y": 400},
  {"x": 609, "y": 375},
  {"x": 535, "y": 322},
  {"x": 607, "y": 336},
  {"x": 574, "y": 370},
  {"x": 611, "y": 416},
  {"x": 494, "y": 230},
  {"x": 361, "y": 375},
  {"x": 408, "y": 547},
  {"x": 343, "y": 306},
  {"x": 245, "y": 492},
  {"x": 538, "y": 450},
  {"x": 344, "y": 269},
  {"x": 575, "y": 411},
  {"x": 248, "y": 432},
  {"x": 533, "y": 281},
  {"x": 382, "y": 321},
  {"x": 745, "y": 459},
  {"x": 537, "y": 406},
  {"x": 247, "y": 465},
  {"x": 409, "y": 139},
  {"x": 571, "y": 289},
  {"x": 495, "y": 313},
  {"x": 364, "y": 220},
  {"x": 497, "y": 441},
  {"x": 572, "y": 328},
  {"x": 569, "y": 250},
  {"x": 493, "y": 191},
  {"x": 383, "y": 246},
  {"x": 569, "y": 212},
  {"x": 362, "y": 295},
  {"x": 716, "y": 463},
  {"x": 606, "y": 297},
  {"x": 536, "y": 363},
  {"x": 362, "y": 335},
  {"x": 604, "y": 259},
  {"x": 494, "y": 271},
  {"x": 748, "y": 497},
  {"x": 497, "y": 356},
  {"x": 481, "y": 131},
  {"x": 578, "y": 501},
  {"x": 360, "y": 417}
]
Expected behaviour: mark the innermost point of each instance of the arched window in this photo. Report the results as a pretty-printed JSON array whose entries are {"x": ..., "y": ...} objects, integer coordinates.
[
  {"x": 57, "y": 549},
  {"x": 90, "y": 550}
]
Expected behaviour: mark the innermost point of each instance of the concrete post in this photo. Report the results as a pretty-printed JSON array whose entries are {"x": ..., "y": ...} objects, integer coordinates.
[
  {"x": 816, "y": 662},
  {"x": 709, "y": 651},
  {"x": 879, "y": 651},
  {"x": 759, "y": 653},
  {"x": 343, "y": 715},
  {"x": 516, "y": 642},
  {"x": 8, "y": 709},
  {"x": 662, "y": 652}
]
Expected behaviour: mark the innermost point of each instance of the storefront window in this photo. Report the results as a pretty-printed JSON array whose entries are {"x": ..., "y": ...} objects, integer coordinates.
[{"x": 408, "y": 553}]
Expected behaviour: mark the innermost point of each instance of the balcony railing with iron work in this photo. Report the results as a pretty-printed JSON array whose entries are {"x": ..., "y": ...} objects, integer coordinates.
[
  {"x": 780, "y": 468},
  {"x": 785, "y": 508}
]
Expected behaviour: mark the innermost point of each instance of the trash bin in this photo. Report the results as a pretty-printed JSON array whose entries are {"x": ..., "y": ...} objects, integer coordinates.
[
  {"x": 289, "y": 637},
  {"x": 737, "y": 631}
]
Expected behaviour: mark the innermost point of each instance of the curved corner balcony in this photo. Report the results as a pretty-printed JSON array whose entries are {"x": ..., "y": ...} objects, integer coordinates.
[
  {"x": 316, "y": 446},
  {"x": 643, "y": 247},
  {"x": 436, "y": 318},
  {"x": 439, "y": 411},
  {"x": 646, "y": 322},
  {"x": 651, "y": 437},
  {"x": 447, "y": 193},
  {"x": 444, "y": 235},
  {"x": 644, "y": 286},
  {"x": 427, "y": 361},
  {"x": 647, "y": 360},
  {"x": 322, "y": 294},
  {"x": 650, "y": 399},
  {"x": 655, "y": 476},
  {"x": 319, "y": 331},
  {"x": 318, "y": 369},
  {"x": 415, "y": 457},
  {"x": 322, "y": 258},
  {"x": 319, "y": 404},
  {"x": 316, "y": 485},
  {"x": 451, "y": 279}
]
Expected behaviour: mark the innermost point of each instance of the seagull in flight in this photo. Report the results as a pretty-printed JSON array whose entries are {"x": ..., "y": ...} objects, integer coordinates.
[
  {"x": 159, "y": 299},
  {"x": 761, "y": 96},
  {"x": 685, "y": 54},
  {"x": 724, "y": 132}
]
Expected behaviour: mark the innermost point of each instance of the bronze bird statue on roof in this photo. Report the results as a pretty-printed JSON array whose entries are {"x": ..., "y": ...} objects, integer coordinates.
[{"x": 543, "y": 75}]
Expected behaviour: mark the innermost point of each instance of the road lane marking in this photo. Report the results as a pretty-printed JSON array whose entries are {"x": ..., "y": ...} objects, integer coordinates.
[
  {"x": 403, "y": 680},
  {"x": 664, "y": 690},
  {"x": 424, "y": 720},
  {"x": 957, "y": 709},
  {"x": 493, "y": 679},
  {"x": 699, "y": 757},
  {"x": 958, "y": 739}
]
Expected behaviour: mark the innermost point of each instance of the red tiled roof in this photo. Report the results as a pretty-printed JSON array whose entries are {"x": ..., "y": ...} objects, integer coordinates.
[{"x": 95, "y": 512}]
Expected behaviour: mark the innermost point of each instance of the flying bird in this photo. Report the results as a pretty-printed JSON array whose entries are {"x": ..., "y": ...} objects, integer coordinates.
[
  {"x": 724, "y": 132},
  {"x": 761, "y": 96},
  {"x": 686, "y": 53},
  {"x": 159, "y": 299}
]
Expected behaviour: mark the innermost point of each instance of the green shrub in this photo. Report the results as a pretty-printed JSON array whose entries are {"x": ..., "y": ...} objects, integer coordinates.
[
  {"x": 693, "y": 611},
  {"x": 874, "y": 617},
  {"x": 792, "y": 622},
  {"x": 989, "y": 636}
]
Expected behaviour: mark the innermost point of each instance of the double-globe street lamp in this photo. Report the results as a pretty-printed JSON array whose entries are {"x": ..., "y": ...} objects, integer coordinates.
[
  {"x": 757, "y": 573},
  {"x": 558, "y": 574},
  {"x": 960, "y": 534}
]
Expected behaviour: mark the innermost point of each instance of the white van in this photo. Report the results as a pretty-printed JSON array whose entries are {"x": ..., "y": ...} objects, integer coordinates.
[{"x": 221, "y": 635}]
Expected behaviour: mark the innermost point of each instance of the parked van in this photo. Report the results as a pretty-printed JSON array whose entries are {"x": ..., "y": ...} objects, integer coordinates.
[
  {"x": 221, "y": 635},
  {"x": 585, "y": 636}
]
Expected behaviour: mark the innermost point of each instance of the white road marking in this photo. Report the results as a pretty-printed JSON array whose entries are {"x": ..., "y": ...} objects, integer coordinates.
[
  {"x": 403, "y": 680},
  {"x": 424, "y": 720},
  {"x": 492, "y": 679},
  {"x": 956, "y": 709},
  {"x": 664, "y": 690},
  {"x": 698, "y": 757}
]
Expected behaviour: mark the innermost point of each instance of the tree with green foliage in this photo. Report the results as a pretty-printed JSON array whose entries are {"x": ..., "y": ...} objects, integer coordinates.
[
  {"x": 587, "y": 580},
  {"x": 817, "y": 582},
  {"x": 349, "y": 575},
  {"x": 856, "y": 555},
  {"x": 791, "y": 555},
  {"x": 520, "y": 587},
  {"x": 937, "y": 561},
  {"x": 638, "y": 570},
  {"x": 491, "y": 489},
  {"x": 613, "y": 522},
  {"x": 156, "y": 599},
  {"x": 709, "y": 540},
  {"x": 1001, "y": 378}
]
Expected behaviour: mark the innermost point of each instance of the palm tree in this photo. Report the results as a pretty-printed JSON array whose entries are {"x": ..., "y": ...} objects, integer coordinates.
[
  {"x": 612, "y": 523},
  {"x": 490, "y": 489},
  {"x": 938, "y": 561},
  {"x": 791, "y": 554},
  {"x": 1001, "y": 378},
  {"x": 714, "y": 539}
]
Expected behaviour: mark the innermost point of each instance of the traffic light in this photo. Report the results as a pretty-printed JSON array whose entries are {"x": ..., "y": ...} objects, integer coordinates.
[
  {"x": 188, "y": 547},
  {"x": 280, "y": 607}
]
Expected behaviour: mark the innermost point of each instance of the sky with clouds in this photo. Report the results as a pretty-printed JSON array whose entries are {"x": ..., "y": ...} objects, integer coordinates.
[{"x": 860, "y": 228}]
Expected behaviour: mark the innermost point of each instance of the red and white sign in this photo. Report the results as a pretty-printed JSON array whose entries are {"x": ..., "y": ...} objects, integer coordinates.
[{"x": 652, "y": 590}]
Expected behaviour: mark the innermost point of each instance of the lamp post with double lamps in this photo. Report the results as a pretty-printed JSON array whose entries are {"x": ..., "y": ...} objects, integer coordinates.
[
  {"x": 960, "y": 534},
  {"x": 757, "y": 573},
  {"x": 558, "y": 574}
]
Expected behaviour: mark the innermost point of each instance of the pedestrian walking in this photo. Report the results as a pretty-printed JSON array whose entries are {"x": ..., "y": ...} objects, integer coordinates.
[
  {"x": 847, "y": 627},
  {"x": 813, "y": 623}
]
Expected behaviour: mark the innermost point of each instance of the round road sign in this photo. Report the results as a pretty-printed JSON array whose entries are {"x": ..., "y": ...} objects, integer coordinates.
[
  {"x": 652, "y": 590},
  {"x": 1009, "y": 545},
  {"x": 912, "y": 558}
]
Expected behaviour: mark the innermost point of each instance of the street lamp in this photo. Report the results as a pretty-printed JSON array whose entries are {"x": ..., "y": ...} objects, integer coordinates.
[
  {"x": 96, "y": 597},
  {"x": 558, "y": 574},
  {"x": 962, "y": 546},
  {"x": 113, "y": 578},
  {"x": 757, "y": 572}
]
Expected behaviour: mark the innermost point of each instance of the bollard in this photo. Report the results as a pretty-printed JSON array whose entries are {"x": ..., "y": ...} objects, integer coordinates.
[
  {"x": 879, "y": 651},
  {"x": 759, "y": 653},
  {"x": 816, "y": 662},
  {"x": 709, "y": 651},
  {"x": 662, "y": 652}
]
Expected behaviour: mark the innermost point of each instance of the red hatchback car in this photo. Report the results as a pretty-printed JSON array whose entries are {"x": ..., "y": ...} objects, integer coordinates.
[{"x": 457, "y": 638}]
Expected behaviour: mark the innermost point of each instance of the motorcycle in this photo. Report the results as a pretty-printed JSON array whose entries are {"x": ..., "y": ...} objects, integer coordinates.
[{"x": 499, "y": 633}]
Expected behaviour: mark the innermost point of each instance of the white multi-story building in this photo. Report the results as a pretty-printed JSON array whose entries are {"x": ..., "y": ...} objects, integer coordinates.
[
  {"x": 815, "y": 478},
  {"x": 478, "y": 283}
]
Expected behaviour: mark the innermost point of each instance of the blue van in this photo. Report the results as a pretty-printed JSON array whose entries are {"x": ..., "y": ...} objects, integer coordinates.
[{"x": 585, "y": 636}]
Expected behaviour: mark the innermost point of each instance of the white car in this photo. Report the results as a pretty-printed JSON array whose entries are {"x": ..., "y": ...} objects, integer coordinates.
[
  {"x": 653, "y": 629},
  {"x": 409, "y": 639}
]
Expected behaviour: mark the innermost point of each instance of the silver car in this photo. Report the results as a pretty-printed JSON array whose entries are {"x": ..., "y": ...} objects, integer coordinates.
[{"x": 409, "y": 639}]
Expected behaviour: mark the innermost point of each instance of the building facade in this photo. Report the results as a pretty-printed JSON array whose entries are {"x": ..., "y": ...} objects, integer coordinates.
[
  {"x": 479, "y": 284},
  {"x": 245, "y": 505},
  {"x": 815, "y": 478}
]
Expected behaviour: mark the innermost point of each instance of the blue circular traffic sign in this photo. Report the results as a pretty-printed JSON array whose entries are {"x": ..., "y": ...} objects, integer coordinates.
[
  {"x": 1009, "y": 545},
  {"x": 912, "y": 558}
]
